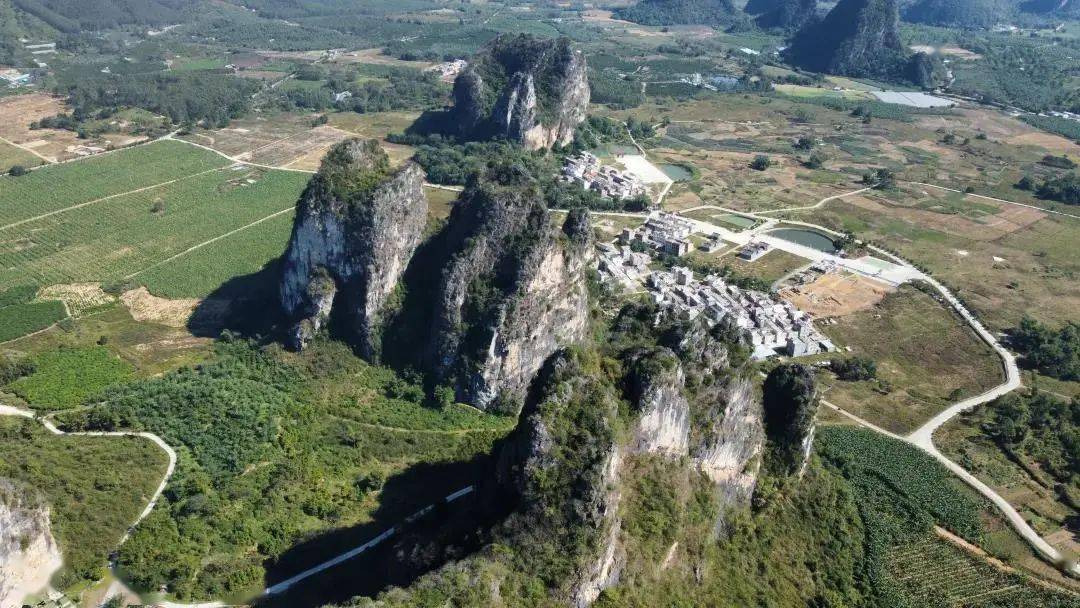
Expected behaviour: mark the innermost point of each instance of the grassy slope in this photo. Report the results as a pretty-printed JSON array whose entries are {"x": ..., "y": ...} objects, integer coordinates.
[
  {"x": 921, "y": 349},
  {"x": 95, "y": 486}
]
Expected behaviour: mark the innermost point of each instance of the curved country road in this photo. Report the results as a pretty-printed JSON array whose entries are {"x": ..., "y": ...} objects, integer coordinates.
[{"x": 7, "y": 410}]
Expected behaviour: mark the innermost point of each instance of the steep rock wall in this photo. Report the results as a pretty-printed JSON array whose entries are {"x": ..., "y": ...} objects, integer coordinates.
[
  {"x": 28, "y": 552},
  {"x": 729, "y": 451},
  {"x": 523, "y": 88},
  {"x": 357, "y": 226},
  {"x": 513, "y": 290}
]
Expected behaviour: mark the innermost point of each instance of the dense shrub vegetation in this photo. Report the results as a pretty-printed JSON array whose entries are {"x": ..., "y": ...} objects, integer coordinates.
[
  {"x": 1041, "y": 427},
  {"x": 95, "y": 487},
  {"x": 182, "y": 97},
  {"x": 854, "y": 368},
  {"x": 274, "y": 449},
  {"x": 68, "y": 377},
  {"x": 1055, "y": 353}
]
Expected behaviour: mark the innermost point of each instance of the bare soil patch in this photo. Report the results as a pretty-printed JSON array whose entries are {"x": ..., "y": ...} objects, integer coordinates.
[
  {"x": 147, "y": 307},
  {"x": 836, "y": 294}
]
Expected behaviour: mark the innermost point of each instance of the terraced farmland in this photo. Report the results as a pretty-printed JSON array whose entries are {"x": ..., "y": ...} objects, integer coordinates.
[
  {"x": 115, "y": 238},
  {"x": 934, "y": 574}
]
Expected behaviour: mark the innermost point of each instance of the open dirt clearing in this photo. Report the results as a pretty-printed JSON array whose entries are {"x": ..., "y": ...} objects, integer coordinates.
[
  {"x": 19, "y": 111},
  {"x": 836, "y": 294},
  {"x": 147, "y": 307}
]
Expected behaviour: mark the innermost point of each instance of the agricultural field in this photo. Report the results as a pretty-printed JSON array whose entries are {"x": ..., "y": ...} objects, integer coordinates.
[
  {"x": 279, "y": 139},
  {"x": 68, "y": 377},
  {"x": 933, "y": 572},
  {"x": 378, "y": 125},
  {"x": 203, "y": 271},
  {"x": 95, "y": 486},
  {"x": 1004, "y": 261},
  {"x": 17, "y": 112},
  {"x": 23, "y": 318},
  {"x": 114, "y": 239},
  {"x": 903, "y": 494},
  {"x": 13, "y": 155},
  {"x": 926, "y": 358},
  {"x": 59, "y": 187}
]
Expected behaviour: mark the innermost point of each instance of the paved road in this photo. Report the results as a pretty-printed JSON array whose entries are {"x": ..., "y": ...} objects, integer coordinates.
[
  {"x": 922, "y": 437},
  {"x": 330, "y": 563}
]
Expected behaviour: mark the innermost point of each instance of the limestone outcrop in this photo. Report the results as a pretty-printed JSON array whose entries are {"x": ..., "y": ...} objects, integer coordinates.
[
  {"x": 523, "y": 88},
  {"x": 28, "y": 552},
  {"x": 512, "y": 290},
  {"x": 357, "y": 225}
]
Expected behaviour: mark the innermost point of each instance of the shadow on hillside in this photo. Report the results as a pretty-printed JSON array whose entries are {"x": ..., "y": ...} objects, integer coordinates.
[
  {"x": 447, "y": 531},
  {"x": 247, "y": 305}
]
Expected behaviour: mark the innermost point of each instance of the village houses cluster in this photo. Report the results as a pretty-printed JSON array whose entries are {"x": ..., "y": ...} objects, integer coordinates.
[
  {"x": 774, "y": 326},
  {"x": 587, "y": 171},
  {"x": 665, "y": 232}
]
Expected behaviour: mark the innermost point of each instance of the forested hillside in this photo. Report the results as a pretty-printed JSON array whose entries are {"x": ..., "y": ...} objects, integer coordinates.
[
  {"x": 856, "y": 38},
  {"x": 959, "y": 13},
  {"x": 72, "y": 16}
]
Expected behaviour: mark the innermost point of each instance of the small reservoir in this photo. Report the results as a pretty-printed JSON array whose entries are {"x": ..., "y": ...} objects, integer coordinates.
[
  {"x": 677, "y": 173},
  {"x": 806, "y": 238}
]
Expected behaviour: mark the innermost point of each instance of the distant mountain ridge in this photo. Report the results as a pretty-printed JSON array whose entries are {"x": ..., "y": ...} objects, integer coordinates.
[
  {"x": 856, "y": 38},
  {"x": 959, "y": 13}
]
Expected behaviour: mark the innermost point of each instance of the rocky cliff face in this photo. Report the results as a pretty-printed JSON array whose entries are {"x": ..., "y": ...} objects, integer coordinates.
[
  {"x": 513, "y": 290},
  {"x": 729, "y": 451},
  {"x": 857, "y": 37},
  {"x": 28, "y": 553},
  {"x": 357, "y": 226},
  {"x": 523, "y": 88},
  {"x": 564, "y": 463},
  {"x": 656, "y": 385},
  {"x": 790, "y": 399}
]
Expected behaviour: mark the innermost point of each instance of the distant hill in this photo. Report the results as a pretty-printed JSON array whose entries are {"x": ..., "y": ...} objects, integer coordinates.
[
  {"x": 79, "y": 15},
  {"x": 760, "y": 7},
  {"x": 788, "y": 15},
  {"x": 856, "y": 38},
  {"x": 969, "y": 14},
  {"x": 717, "y": 13},
  {"x": 1056, "y": 8}
]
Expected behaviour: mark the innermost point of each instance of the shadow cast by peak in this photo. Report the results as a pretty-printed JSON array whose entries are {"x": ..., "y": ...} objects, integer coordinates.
[
  {"x": 448, "y": 530},
  {"x": 247, "y": 305}
]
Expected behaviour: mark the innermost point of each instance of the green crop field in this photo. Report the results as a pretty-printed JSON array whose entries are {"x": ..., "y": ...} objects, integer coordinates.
[
  {"x": 11, "y": 155},
  {"x": 21, "y": 319},
  {"x": 66, "y": 377},
  {"x": 198, "y": 273},
  {"x": 60, "y": 186},
  {"x": 113, "y": 239}
]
